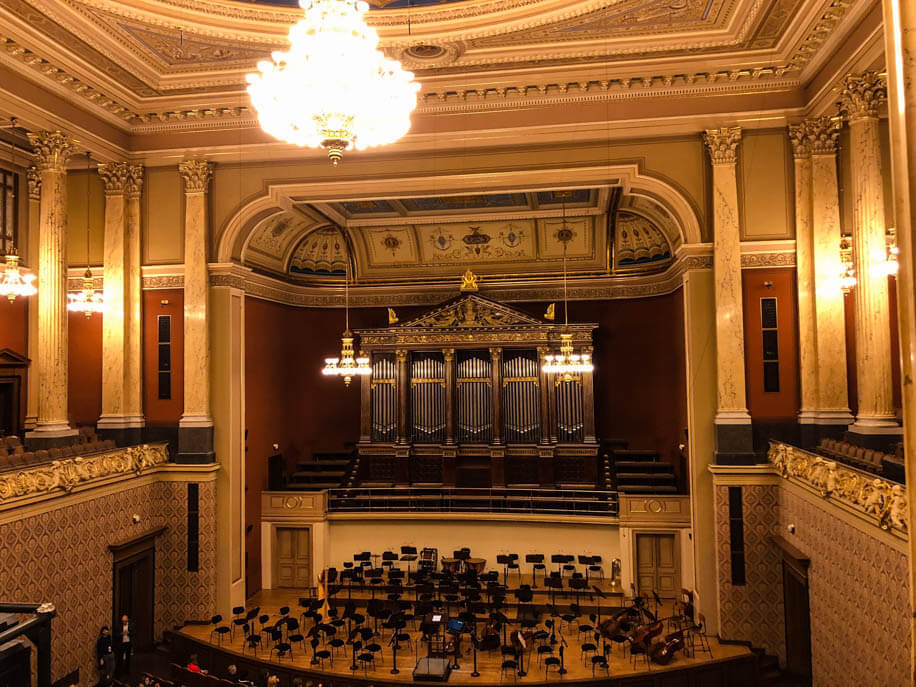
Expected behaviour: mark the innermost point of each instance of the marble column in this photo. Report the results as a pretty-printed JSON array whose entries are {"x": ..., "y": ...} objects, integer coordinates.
[
  {"x": 403, "y": 382},
  {"x": 133, "y": 310},
  {"x": 52, "y": 151},
  {"x": 544, "y": 389},
  {"x": 900, "y": 58},
  {"x": 114, "y": 336},
  {"x": 33, "y": 176},
  {"x": 734, "y": 438},
  {"x": 448, "y": 355},
  {"x": 195, "y": 429},
  {"x": 860, "y": 97},
  {"x": 497, "y": 447}
]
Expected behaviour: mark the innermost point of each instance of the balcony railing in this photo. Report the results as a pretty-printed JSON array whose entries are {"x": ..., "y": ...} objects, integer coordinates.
[{"x": 591, "y": 502}]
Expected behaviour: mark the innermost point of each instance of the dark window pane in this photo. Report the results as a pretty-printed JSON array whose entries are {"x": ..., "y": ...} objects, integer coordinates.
[
  {"x": 735, "y": 506},
  {"x": 768, "y": 313},
  {"x": 771, "y": 345},
  {"x": 738, "y": 577},
  {"x": 165, "y": 386},
  {"x": 771, "y": 377},
  {"x": 165, "y": 357},
  {"x": 165, "y": 329}
]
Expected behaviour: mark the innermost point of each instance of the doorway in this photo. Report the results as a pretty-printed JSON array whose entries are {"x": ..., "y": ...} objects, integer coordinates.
[
  {"x": 798, "y": 621},
  {"x": 657, "y": 565},
  {"x": 9, "y": 405},
  {"x": 293, "y": 559},
  {"x": 134, "y": 582}
]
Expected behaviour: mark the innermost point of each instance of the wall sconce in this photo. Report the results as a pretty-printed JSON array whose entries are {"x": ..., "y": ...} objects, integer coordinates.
[
  {"x": 848, "y": 279},
  {"x": 892, "y": 265}
]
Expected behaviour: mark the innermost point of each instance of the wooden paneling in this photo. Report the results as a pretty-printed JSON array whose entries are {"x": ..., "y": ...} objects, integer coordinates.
[{"x": 657, "y": 564}]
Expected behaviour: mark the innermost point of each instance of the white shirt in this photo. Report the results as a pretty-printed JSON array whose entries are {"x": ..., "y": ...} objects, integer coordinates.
[{"x": 125, "y": 633}]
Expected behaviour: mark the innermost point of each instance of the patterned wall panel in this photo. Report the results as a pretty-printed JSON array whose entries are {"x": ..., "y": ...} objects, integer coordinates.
[
  {"x": 62, "y": 556},
  {"x": 859, "y": 598},
  {"x": 753, "y": 611}
]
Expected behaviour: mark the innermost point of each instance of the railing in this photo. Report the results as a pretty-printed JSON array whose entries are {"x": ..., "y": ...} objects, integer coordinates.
[{"x": 460, "y": 500}]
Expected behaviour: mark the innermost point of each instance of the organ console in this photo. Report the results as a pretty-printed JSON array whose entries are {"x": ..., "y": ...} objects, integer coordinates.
[{"x": 457, "y": 397}]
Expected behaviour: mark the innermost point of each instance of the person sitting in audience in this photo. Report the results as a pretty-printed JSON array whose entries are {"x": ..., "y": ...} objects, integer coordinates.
[
  {"x": 104, "y": 652},
  {"x": 232, "y": 673},
  {"x": 194, "y": 666}
]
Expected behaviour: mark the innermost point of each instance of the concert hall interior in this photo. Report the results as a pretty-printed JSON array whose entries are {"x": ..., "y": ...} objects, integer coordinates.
[{"x": 353, "y": 343}]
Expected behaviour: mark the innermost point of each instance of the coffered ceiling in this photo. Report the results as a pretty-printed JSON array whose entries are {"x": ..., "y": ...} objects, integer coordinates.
[{"x": 145, "y": 68}]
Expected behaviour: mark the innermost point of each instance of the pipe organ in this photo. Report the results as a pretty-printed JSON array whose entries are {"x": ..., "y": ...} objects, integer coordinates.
[{"x": 457, "y": 397}]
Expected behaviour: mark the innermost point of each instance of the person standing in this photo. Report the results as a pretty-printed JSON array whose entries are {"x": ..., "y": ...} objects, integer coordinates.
[
  {"x": 125, "y": 640},
  {"x": 105, "y": 656}
]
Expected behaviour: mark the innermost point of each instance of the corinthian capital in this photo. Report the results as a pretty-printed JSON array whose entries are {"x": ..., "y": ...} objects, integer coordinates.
[
  {"x": 815, "y": 136},
  {"x": 33, "y": 176},
  {"x": 723, "y": 144},
  {"x": 52, "y": 150},
  {"x": 196, "y": 175},
  {"x": 862, "y": 94},
  {"x": 114, "y": 175},
  {"x": 134, "y": 180}
]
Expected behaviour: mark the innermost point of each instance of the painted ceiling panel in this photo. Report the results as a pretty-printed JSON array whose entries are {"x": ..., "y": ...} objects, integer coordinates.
[{"x": 373, "y": 4}]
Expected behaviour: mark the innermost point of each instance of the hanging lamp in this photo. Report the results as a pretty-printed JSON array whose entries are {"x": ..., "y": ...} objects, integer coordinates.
[
  {"x": 15, "y": 280},
  {"x": 87, "y": 300},
  {"x": 566, "y": 361},
  {"x": 347, "y": 365},
  {"x": 333, "y": 88}
]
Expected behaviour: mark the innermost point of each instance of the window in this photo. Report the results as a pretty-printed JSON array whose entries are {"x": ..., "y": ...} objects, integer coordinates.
[
  {"x": 736, "y": 534},
  {"x": 165, "y": 357},
  {"x": 8, "y": 215},
  {"x": 769, "y": 324}
]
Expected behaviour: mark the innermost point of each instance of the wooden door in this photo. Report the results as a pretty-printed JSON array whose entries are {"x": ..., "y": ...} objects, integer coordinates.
[
  {"x": 293, "y": 557},
  {"x": 798, "y": 622},
  {"x": 657, "y": 564},
  {"x": 134, "y": 580}
]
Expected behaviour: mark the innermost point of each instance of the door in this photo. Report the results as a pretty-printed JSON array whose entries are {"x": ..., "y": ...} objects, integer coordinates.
[
  {"x": 657, "y": 565},
  {"x": 134, "y": 581},
  {"x": 798, "y": 622},
  {"x": 9, "y": 405},
  {"x": 293, "y": 557}
]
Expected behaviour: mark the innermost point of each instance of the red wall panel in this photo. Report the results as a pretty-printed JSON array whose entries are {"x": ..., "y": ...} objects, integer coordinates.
[
  {"x": 85, "y": 366},
  {"x": 156, "y": 303},
  {"x": 14, "y": 324}
]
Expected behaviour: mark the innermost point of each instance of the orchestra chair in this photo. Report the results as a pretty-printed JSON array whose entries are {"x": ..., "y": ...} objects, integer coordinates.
[
  {"x": 557, "y": 559},
  {"x": 214, "y": 623},
  {"x": 600, "y": 661},
  {"x": 365, "y": 659},
  {"x": 537, "y": 563},
  {"x": 221, "y": 632},
  {"x": 336, "y": 644},
  {"x": 698, "y": 638},
  {"x": 589, "y": 648},
  {"x": 595, "y": 567},
  {"x": 388, "y": 559},
  {"x": 551, "y": 661},
  {"x": 323, "y": 655},
  {"x": 568, "y": 566},
  {"x": 504, "y": 560},
  {"x": 253, "y": 641},
  {"x": 511, "y": 665},
  {"x": 513, "y": 564},
  {"x": 282, "y": 649},
  {"x": 293, "y": 634},
  {"x": 543, "y": 651}
]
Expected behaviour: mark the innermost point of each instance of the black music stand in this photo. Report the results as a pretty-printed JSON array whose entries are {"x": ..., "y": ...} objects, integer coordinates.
[
  {"x": 576, "y": 585},
  {"x": 474, "y": 642},
  {"x": 409, "y": 554},
  {"x": 601, "y": 595},
  {"x": 504, "y": 560},
  {"x": 534, "y": 559}
]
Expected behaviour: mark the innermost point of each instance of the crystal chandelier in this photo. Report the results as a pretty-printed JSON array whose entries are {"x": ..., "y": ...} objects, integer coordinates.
[
  {"x": 347, "y": 365},
  {"x": 566, "y": 362},
  {"x": 333, "y": 89},
  {"x": 848, "y": 278},
  {"x": 16, "y": 282},
  {"x": 87, "y": 300}
]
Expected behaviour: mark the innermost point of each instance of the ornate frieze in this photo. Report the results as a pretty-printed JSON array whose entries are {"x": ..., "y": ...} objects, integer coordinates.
[
  {"x": 196, "y": 175},
  {"x": 33, "y": 176},
  {"x": 872, "y": 497},
  {"x": 861, "y": 95},
  {"x": 52, "y": 150},
  {"x": 66, "y": 475},
  {"x": 723, "y": 144},
  {"x": 115, "y": 176}
]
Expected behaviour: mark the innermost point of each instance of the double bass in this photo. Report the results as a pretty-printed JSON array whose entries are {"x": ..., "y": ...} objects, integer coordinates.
[
  {"x": 641, "y": 637},
  {"x": 662, "y": 652},
  {"x": 489, "y": 639}
]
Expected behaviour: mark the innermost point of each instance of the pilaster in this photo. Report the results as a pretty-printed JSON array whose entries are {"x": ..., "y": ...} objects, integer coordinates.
[
  {"x": 33, "y": 177},
  {"x": 133, "y": 311},
  {"x": 861, "y": 96},
  {"x": 195, "y": 429},
  {"x": 734, "y": 438},
  {"x": 52, "y": 151}
]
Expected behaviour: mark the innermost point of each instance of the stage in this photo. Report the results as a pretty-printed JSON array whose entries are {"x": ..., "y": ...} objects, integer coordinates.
[{"x": 728, "y": 664}]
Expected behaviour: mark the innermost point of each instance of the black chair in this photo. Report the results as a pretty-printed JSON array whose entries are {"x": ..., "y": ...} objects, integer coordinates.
[
  {"x": 551, "y": 661},
  {"x": 588, "y": 648},
  {"x": 253, "y": 641},
  {"x": 511, "y": 665},
  {"x": 537, "y": 563},
  {"x": 221, "y": 632},
  {"x": 282, "y": 649},
  {"x": 595, "y": 567},
  {"x": 600, "y": 662},
  {"x": 238, "y": 621},
  {"x": 543, "y": 651},
  {"x": 214, "y": 623},
  {"x": 293, "y": 634}
]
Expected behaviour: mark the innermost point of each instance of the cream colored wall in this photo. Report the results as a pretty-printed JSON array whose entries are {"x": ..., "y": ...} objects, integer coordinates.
[
  {"x": 162, "y": 218},
  {"x": 765, "y": 185},
  {"x": 680, "y": 161},
  {"x": 486, "y": 538},
  {"x": 77, "y": 204}
]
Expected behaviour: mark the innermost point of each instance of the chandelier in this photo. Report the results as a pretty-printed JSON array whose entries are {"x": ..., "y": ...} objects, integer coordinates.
[
  {"x": 566, "y": 361},
  {"x": 892, "y": 266},
  {"x": 15, "y": 281},
  {"x": 333, "y": 88},
  {"x": 347, "y": 365},
  {"x": 87, "y": 300},
  {"x": 848, "y": 278}
]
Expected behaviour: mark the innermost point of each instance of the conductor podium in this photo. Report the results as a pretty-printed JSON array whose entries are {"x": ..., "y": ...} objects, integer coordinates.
[{"x": 432, "y": 669}]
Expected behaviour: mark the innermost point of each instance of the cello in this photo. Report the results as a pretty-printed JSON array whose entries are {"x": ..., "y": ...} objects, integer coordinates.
[
  {"x": 641, "y": 637},
  {"x": 662, "y": 652}
]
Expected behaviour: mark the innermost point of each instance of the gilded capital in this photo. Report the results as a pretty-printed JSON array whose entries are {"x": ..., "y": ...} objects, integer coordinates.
[
  {"x": 402, "y": 355},
  {"x": 815, "y": 136},
  {"x": 114, "y": 176},
  {"x": 723, "y": 144},
  {"x": 448, "y": 354},
  {"x": 134, "y": 180},
  {"x": 52, "y": 150},
  {"x": 33, "y": 176},
  {"x": 196, "y": 175},
  {"x": 861, "y": 95}
]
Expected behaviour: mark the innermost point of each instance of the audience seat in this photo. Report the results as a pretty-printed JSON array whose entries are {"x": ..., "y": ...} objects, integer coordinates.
[{"x": 856, "y": 456}]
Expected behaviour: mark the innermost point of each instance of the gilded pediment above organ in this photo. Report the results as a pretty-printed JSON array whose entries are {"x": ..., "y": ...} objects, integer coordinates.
[{"x": 472, "y": 312}]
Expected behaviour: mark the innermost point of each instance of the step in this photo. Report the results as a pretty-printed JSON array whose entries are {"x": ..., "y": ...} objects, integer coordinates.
[
  {"x": 642, "y": 465},
  {"x": 320, "y": 465},
  {"x": 327, "y": 475},
  {"x": 316, "y": 486},
  {"x": 635, "y": 454},
  {"x": 646, "y": 489},
  {"x": 647, "y": 476}
]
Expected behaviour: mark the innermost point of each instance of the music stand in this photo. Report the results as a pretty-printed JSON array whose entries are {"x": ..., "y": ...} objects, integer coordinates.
[
  {"x": 601, "y": 595},
  {"x": 504, "y": 560},
  {"x": 534, "y": 558},
  {"x": 474, "y": 642},
  {"x": 577, "y": 584}
]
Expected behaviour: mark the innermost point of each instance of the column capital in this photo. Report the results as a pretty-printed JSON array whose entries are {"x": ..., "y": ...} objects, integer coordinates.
[
  {"x": 196, "y": 175},
  {"x": 723, "y": 144},
  {"x": 114, "y": 176},
  {"x": 448, "y": 354},
  {"x": 815, "y": 136},
  {"x": 33, "y": 176},
  {"x": 134, "y": 181},
  {"x": 862, "y": 94},
  {"x": 495, "y": 353},
  {"x": 402, "y": 354},
  {"x": 52, "y": 150}
]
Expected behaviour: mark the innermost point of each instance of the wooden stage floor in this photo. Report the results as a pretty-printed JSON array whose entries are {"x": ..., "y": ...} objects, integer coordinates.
[{"x": 488, "y": 663}]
